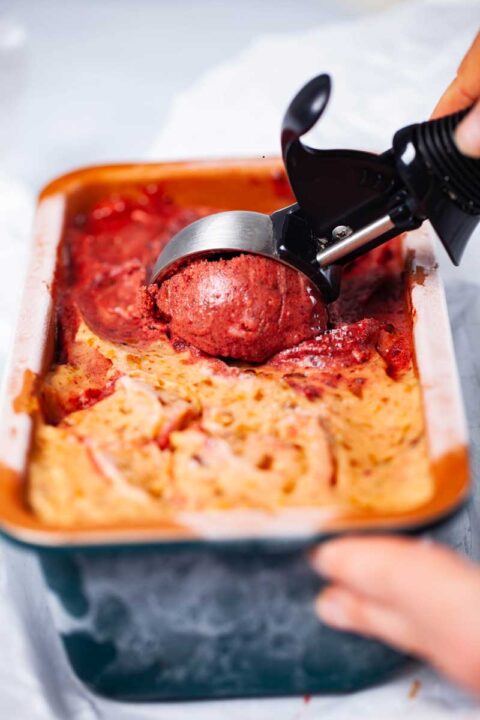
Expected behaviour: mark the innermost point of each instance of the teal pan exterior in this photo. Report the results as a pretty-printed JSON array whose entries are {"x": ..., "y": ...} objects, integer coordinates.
[
  {"x": 208, "y": 620},
  {"x": 204, "y": 623}
]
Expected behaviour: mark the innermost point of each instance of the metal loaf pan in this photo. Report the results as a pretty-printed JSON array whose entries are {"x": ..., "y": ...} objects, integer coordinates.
[{"x": 219, "y": 605}]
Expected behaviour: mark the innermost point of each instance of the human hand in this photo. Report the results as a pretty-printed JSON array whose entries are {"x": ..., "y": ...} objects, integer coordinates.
[
  {"x": 462, "y": 92},
  {"x": 420, "y": 597}
]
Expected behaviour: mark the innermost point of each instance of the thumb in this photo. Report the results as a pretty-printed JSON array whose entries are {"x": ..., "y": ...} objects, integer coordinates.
[{"x": 467, "y": 134}]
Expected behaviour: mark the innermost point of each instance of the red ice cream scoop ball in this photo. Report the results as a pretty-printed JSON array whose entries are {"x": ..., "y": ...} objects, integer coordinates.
[{"x": 245, "y": 307}]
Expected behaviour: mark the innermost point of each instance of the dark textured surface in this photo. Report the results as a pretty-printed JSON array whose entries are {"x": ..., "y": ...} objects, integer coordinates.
[{"x": 206, "y": 623}]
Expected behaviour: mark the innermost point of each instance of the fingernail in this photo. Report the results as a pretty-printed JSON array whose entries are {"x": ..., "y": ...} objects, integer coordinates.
[
  {"x": 467, "y": 134},
  {"x": 330, "y": 610}
]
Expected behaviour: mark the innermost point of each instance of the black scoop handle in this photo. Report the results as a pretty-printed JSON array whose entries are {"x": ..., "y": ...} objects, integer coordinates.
[
  {"x": 423, "y": 176},
  {"x": 444, "y": 182}
]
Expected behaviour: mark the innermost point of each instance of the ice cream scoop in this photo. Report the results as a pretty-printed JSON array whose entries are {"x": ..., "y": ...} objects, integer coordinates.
[{"x": 348, "y": 201}]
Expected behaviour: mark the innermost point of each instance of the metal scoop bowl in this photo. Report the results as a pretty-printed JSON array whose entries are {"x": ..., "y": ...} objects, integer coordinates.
[
  {"x": 220, "y": 234},
  {"x": 242, "y": 231}
]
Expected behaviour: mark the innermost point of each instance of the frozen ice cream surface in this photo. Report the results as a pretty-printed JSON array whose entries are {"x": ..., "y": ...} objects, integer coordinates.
[{"x": 246, "y": 307}]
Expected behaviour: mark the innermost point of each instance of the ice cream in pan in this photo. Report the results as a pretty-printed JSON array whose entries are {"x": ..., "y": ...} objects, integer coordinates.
[
  {"x": 213, "y": 379},
  {"x": 137, "y": 424},
  {"x": 348, "y": 202}
]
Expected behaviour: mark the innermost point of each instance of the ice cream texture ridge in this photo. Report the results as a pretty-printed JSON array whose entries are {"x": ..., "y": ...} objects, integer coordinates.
[{"x": 256, "y": 400}]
